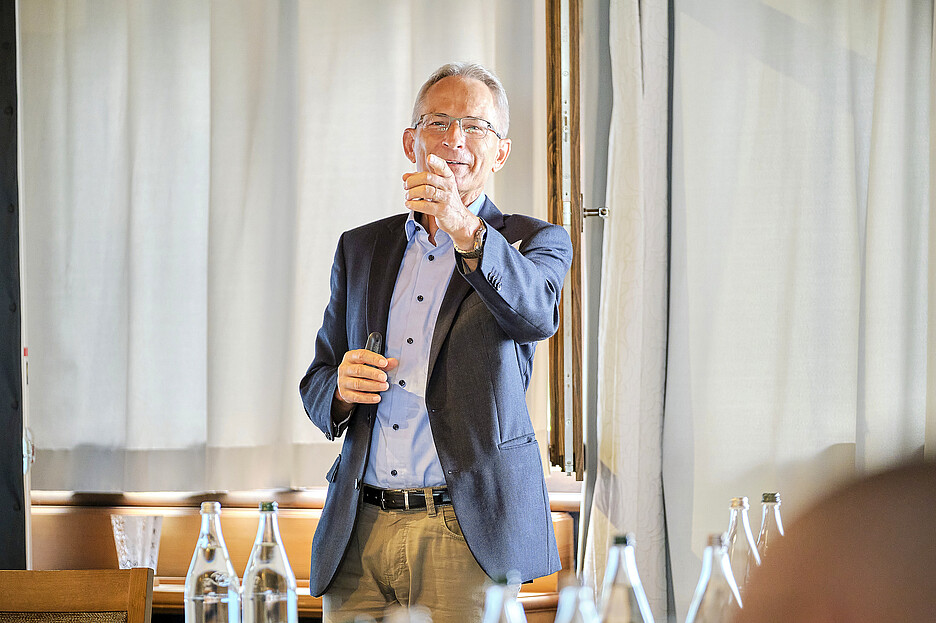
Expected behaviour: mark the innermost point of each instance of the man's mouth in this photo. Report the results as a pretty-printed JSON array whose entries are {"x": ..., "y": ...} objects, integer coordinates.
[{"x": 454, "y": 163}]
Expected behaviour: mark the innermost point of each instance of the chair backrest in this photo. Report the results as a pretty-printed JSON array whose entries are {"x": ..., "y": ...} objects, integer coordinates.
[{"x": 82, "y": 596}]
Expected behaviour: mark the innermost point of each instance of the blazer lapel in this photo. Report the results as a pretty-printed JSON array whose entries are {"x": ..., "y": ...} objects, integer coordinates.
[
  {"x": 458, "y": 289},
  {"x": 386, "y": 257}
]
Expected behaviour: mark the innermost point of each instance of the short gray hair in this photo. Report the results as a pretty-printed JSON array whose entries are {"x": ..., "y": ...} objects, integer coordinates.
[{"x": 475, "y": 72}]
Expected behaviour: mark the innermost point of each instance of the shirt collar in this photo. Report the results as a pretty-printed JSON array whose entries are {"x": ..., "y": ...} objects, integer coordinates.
[{"x": 474, "y": 207}]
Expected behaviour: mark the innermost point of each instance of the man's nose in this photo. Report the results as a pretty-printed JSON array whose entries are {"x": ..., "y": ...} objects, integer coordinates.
[{"x": 454, "y": 136}]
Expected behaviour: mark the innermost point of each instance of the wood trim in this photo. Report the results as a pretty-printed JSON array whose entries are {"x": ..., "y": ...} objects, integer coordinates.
[{"x": 573, "y": 293}]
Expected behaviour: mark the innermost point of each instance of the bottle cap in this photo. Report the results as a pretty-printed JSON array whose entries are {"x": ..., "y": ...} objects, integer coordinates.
[
  {"x": 771, "y": 498},
  {"x": 268, "y": 507},
  {"x": 210, "y": 508},
  {"x": 740, "y": 502}
]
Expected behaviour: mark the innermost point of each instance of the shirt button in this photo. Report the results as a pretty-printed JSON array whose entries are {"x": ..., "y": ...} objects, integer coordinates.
[
  {"x": 393, "y": 472},
  {"x": 420, "y": 298},
  {"x": 396, "y": 427},
  {"x": 431, "y": 257},
  {"x": 402, "y": 383},
  {"x": 409, "y": 340}
]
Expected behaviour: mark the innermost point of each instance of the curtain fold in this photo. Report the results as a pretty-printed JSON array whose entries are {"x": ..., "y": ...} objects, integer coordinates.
[
  {"x": 800, "y": 247},
  {"x": 188, "y": 167},
  {"x": 930, "y": 443},
  {"x": 633, "y": 315}
]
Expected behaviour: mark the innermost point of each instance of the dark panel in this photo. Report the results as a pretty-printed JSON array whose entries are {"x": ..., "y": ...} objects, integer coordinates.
[{"x": 12, "y": 496}]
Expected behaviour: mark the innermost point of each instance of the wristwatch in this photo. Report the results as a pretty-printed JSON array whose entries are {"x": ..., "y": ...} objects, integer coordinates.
[{"x": 475, "y": 251}]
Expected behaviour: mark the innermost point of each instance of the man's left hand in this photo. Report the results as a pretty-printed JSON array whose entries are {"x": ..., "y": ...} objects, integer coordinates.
[{"x": 435, "y": 193}]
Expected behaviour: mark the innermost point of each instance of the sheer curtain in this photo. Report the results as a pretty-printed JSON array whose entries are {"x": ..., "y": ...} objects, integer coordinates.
[
  {"x": 628, "y": 493},
  {"x": 801, "y": 213},
  {"x": 187, "y": 169}
]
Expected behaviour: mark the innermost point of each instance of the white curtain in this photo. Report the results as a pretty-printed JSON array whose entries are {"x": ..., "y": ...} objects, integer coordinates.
[
  {"x": 187, "y": 169},
  {"x": 797, "y": 351},
  {"x": 632, "y": 327}
]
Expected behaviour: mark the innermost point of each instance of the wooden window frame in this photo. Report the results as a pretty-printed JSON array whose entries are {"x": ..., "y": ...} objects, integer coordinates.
[{"x": 563, "y": 28}]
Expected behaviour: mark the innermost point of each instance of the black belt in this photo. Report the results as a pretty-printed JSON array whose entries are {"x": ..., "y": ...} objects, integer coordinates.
[{"x": 404, "y": 499}]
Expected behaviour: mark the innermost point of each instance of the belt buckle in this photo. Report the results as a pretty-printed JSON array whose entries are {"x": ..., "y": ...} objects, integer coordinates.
[
  {"x": 406, "y": 499},
  {"x": 383, "y": 499}
]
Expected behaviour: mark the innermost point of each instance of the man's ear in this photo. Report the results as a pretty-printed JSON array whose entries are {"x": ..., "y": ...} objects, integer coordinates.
[
  {"x": 503, "y": 150},
  {"x": 409, "y": 144}
]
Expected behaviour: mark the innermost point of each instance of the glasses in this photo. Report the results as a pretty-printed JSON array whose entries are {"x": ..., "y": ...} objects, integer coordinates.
[{"x": 472, "y": 127}]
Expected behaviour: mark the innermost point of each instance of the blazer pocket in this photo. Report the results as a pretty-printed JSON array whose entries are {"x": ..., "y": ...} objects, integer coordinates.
[
  {"x": 330, "y": 476},
  {"x": 518, "y": 442}
]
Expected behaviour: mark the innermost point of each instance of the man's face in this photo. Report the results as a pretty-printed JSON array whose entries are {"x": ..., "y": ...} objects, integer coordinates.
[{"x": 471, "y": 160}]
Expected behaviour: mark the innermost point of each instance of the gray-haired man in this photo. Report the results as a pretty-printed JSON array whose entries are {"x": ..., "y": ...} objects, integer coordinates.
[{"x": 439, "y": 484}]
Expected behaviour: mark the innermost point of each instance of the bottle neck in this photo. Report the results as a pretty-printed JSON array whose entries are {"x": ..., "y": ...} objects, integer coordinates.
[
  {"x": 211, "y": 527},
  {"x": 770, "y": 518},
  {"x": 721, "y": 572},
  {"x": 268, "y": 530},
  {"x": 734, "y": 522}
]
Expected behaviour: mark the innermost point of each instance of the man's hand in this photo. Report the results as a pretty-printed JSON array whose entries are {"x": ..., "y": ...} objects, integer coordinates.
[
  {"x": 435, "y": 193},
  {"x": 361, "y": 375}
]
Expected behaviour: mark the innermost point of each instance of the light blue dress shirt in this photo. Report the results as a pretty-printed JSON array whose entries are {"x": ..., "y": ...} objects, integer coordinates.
[{"x": 402, "y": 451}]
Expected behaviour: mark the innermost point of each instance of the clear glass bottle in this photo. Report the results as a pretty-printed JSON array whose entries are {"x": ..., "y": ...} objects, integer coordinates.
[
  {"x": 212, "y": 592},
  {"x": 501, "y": 604},
  {"x": 269, "y": 582},
  {"x": 742, "y": 550},
  {"x": 771, "y": 527},
  {"x": 622, "y": 595},
  {"x": 576, "y": 605},
  {"x": 716, "y": 598}
]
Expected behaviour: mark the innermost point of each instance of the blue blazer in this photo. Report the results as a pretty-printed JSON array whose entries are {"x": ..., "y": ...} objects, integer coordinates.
[{"x": 480, "y": 361}]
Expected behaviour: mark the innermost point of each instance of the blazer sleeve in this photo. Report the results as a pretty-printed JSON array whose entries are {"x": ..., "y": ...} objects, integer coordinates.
[
  {"x": 317, "y": 387},
  {"x": 521, "y": 287}
]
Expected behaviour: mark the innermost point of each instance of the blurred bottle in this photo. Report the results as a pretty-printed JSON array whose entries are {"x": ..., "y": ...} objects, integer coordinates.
[
  {"x": 500, "y": 602},
  {"x": 742, "y": 550},
  {"x": 716, "y": 598},
  {"x": 576, "y": 605},
  {"x": 622, "y": 595},
  {"x": 212, "y": 592},
  {"x": 269, "y": 583},
  {"x": 402, "y": 614},
  {"x": 771, "y": 528}
]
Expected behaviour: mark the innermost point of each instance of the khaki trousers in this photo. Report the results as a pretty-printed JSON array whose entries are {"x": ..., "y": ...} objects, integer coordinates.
[{"x": 407, "y": 558}]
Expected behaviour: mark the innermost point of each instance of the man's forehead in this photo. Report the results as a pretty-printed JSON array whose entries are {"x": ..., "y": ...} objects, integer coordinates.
[{"x": 466, "y": 96}]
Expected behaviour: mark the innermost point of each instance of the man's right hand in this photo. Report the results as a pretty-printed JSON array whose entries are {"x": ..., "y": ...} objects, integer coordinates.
[{"x": 361, "y": 375}]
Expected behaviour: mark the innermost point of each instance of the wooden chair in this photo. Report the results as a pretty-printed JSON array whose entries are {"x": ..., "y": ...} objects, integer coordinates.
[{"x": 85, "y": 596}]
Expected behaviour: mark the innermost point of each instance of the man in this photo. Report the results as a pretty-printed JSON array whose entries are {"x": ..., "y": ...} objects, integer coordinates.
[
  {"x": 865, "y": 553},
  {"x": 439, "y": 484}
]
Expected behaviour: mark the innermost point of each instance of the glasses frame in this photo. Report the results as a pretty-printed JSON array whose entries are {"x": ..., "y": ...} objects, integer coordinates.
[{"x": 457, "y": 120}]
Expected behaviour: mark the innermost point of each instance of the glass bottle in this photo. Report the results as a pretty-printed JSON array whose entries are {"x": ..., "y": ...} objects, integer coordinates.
[
  {"x": 742, "y": 550},
  {"x": 576, "y": 605},
  {"x": 716, "y": 598},
  {"x": 622, "y": 595},
  {"x": 771, "y": 527},
  {"x": 269, "y": 582},
  {"x": 501, "y": 604},
  {"x": 212, "y": 592}
]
